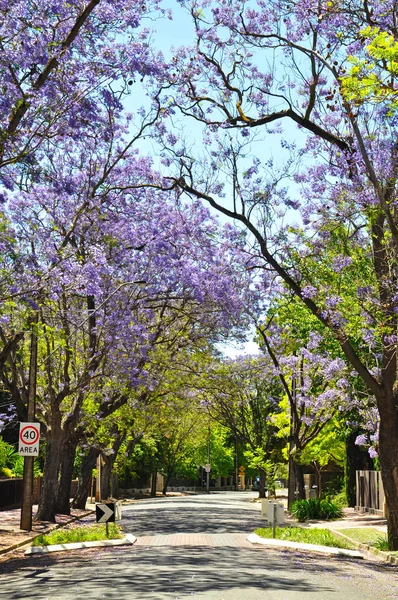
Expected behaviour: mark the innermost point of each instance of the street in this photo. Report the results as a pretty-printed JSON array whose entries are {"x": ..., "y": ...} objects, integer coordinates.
[{"x": 196, "y": 547}]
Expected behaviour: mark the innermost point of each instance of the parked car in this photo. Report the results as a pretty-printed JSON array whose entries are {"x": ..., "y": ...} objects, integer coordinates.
[{"x": 256, "y": 485}]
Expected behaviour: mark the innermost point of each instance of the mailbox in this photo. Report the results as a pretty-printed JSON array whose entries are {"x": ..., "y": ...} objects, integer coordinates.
[{"x": 276, "y": 513}]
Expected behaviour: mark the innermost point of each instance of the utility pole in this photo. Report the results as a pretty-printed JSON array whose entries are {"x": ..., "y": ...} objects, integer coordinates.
[
  {"x": 236, "y": 464},
  {"x": 27, "y": 493},
  {"x": 208, "y": 464},
  {"x": 98, "y": 497},
  {"x": 292, "y": 480}
]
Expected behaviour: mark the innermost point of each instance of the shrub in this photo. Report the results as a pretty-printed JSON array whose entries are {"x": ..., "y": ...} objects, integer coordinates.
[
  {"x": 334, "y": 486},
  {"x": 381, "y": 543},
  {"x": 18, "y": 467},
  {"x": 314, "y": 508},
  {"x": 339, "y": 499},
  {"x": 6, "y": 472},
  {"x": 8, "y": 455}
]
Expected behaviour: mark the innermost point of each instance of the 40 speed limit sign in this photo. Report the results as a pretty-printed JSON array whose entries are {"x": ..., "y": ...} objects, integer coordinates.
[{"x": 28, "y": 441}]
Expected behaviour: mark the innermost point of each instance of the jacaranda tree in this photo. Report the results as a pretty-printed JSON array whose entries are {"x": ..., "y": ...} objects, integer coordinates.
[
  {"x": 292, "y": 153},
  {"x": 80, "y": 233}
]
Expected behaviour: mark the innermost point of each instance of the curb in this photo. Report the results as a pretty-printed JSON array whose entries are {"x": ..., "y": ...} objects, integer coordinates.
[
  {"x": 128, "y": 539},
  {"x": 255, "y": 539},
  {"x": 50, "y": 528},
  {"x": 390, "y": 558}
]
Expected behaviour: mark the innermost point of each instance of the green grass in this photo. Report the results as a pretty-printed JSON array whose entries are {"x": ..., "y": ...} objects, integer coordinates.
[
  {"x": 78, "y": 534},
  {"x": 321, "y": 537},
  {"x": 367, "y": 535}
]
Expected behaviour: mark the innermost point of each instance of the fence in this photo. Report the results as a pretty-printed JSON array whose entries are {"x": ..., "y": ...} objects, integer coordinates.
[
  {"x": 11, "y": 492},
  {"x": 370, "y": 493}
]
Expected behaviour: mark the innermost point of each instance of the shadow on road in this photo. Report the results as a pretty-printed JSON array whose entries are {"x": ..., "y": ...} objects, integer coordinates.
[
  {"x": 163, "y": 521},
  {"x": 140, "y": 574},
  {"x": 159, "y": 573}
]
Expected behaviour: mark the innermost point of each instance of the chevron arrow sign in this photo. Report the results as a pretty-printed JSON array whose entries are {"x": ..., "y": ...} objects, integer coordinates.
[{"x": 105, "y": 513}]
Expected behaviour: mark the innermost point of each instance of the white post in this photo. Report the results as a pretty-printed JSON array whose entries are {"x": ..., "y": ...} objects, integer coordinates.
[{"x": 274, "y": 520}]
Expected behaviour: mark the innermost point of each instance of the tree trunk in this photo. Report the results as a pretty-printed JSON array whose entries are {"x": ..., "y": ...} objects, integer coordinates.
[
  {"x": 66, "y": 474},
  {"x": 48, "y": 497},
  {"x": 299, "y": 480},
  {"x": 165, "y": 486},
  {"x": 167, "y": 480},
  {"x": 388, "y": 453},
  {"x": 84, "y": 483},
  {"x": 261, "y": 489},
  {"x": 114, "y": 485},
  {"x": 106, "y": 473},
  {"x": 153, "y": 483},
  {"x": 109, "y": 461},
  {"x": 318, "y": 479}
]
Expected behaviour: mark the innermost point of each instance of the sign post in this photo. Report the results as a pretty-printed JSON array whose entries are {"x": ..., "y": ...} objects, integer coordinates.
[
  {"x": 275, "y": 515},
  {"x": 26, "y": 505}
]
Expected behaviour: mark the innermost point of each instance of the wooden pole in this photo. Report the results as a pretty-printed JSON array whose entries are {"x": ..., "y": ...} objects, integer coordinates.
[{"x": 27, "y": 493}]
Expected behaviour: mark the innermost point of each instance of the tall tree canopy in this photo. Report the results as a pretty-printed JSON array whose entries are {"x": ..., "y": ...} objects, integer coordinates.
[
  {"x": 80, "y": 232},
  {"x": 269, "y": 74},
  {"x": 296, "y": 105}
]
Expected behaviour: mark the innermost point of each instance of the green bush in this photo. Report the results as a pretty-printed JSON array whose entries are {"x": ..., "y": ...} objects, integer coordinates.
[
  {"x": 334, "y": 486},
  {"x": 8, "y": 455},
  {"x": 6, "y": 472},
  {"x": 339, "y": 499},
  {"x": 317, "y": 509},
  {"x": 18, "y": 467}
]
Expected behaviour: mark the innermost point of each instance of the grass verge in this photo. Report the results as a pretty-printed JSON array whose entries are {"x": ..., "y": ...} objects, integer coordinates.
[
  {"x": 92, "y": 533},
  {"x": 367, "y": 535},
  {"x": 320, "y": 537}
]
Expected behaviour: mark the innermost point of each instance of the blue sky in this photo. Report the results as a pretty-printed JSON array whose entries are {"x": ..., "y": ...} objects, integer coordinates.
[{"x": 180, "y": 31}]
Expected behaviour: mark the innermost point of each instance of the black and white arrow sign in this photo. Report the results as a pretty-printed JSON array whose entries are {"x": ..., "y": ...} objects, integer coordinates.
[{"x": 105, "y": 513}]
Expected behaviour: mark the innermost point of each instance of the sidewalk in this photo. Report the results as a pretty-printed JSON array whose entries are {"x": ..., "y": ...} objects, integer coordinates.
[
  {"x": 351, "y": 518},
  {"x": 12, "y": 537}
]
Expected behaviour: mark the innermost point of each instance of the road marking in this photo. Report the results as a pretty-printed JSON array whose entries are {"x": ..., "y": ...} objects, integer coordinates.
[{"x": 230, "y": 540}]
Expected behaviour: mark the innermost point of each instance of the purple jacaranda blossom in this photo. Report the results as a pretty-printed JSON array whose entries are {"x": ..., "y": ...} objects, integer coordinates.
[
  {"x": 373, "y": 452},
  {"x": 309, "y": 291},
  {"x": 361, "y": 440},
  {"x": 341, "y": 262}
]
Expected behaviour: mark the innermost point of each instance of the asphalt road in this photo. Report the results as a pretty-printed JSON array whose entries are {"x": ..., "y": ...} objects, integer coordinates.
[
  {"x": 208, "y": 573},
  {"x": 216, "y": 513}
]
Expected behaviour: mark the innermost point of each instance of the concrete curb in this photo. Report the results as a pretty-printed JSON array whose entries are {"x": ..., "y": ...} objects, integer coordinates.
[
  {"x": 390, "y": 558},
  {"x": 48, "y": 530},
  {"x": 128, "y": 539},
  {"x": 255, "y": 539}
]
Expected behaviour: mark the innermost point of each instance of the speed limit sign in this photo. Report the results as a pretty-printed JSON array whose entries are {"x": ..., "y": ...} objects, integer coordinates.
[{"x": 28, "y": 441}]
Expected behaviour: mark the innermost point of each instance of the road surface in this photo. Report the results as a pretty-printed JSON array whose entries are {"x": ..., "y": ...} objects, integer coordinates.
[{"x": 195, "y": 547}]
